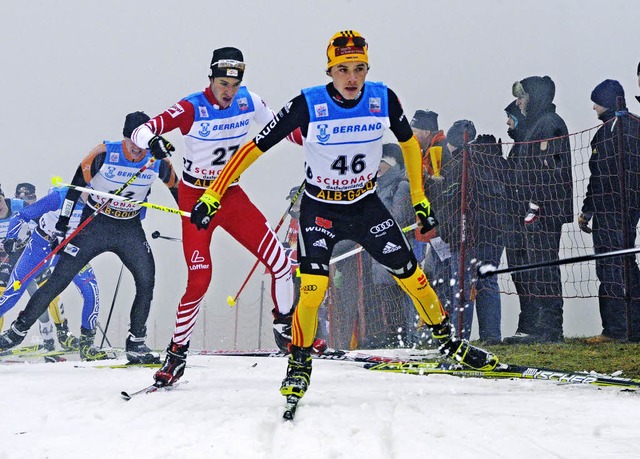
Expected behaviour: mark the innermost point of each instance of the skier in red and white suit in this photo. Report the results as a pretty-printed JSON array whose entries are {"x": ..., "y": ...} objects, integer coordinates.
[{"x": 214, "y": 123}]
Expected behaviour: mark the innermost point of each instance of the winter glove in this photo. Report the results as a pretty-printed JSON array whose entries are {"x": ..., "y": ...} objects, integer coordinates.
[
  {"x": 160, "y": 147},
  {"x": 583, "y": 221},
  {"x": 426, "y": 216},
  {"x": 62, "y": 226},
  {"x": 10, "y": 244},
  {"x": 532, "y": 219},
  {"x": 204, "y": 210}
]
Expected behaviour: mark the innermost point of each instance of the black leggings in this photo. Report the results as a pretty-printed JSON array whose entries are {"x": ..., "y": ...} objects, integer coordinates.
[{"x": 127, "y": 240}]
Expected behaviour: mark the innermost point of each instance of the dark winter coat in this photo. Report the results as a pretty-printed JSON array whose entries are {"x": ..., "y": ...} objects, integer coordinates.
[
  {"x": 485, "y": 197},
  {"x": 543, "y": 164},
  {"x": 603, "y": 190}
]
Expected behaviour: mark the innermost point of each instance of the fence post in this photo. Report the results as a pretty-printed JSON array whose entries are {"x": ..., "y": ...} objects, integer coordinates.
[{"x": 463, "y": 230}]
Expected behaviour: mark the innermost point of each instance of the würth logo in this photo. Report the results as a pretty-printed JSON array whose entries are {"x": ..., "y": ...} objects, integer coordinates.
[
  {"x": 323, "y": 223},
  {"x": 422, "y": 279}
]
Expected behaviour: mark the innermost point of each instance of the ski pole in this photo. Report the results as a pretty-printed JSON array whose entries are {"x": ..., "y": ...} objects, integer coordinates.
[
  {"x": 359, "y": 249},
  {"x": 57, "y": 181},
  {"x": 16, "y": 285},
  {"x": 156, "y": 235},
  {"x": 487, "y": 270},
  {"x": 104, "y": 335},
  {"x": 231, "y": 300}
]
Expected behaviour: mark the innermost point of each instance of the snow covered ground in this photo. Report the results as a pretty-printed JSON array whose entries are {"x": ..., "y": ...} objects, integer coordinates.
[{"x": 231, "y": 407}]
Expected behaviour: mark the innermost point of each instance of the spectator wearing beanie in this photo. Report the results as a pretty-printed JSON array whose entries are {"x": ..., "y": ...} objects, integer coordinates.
[
  {"x": 605, "y": 97},
  {"x": 602, "y": 209},
  {"x": 446, "y": 198},
  {"x": 543, "y": 173}
]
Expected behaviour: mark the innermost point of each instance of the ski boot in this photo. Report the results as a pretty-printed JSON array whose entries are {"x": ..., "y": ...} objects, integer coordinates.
[
  {"x": 12, "y": 337},
  {"x": 282, "y": 334},
  {"x": 298, "y": 372},
  {"x": 460, "y": 350},
  {"x": 86, "y": 348},
  {"x": 282, "y": 329},
  {"x": 67, "y": 341},
  {"x": 49, "y": 345},
  {"x": 138, "y": 352},
  {"x": 174, "y": 365}
]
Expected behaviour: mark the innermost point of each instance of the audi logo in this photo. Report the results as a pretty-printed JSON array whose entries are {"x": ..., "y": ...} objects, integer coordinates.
[{"x": 379, "y": 228}]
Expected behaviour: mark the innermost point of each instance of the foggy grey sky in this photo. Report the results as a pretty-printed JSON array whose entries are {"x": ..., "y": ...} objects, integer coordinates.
[{"x": 73, "y": 69}]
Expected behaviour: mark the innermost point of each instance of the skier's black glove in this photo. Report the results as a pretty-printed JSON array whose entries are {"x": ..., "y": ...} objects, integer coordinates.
[
  {"x": 62, "y": 226},
  {"x": 204, "y": 210},
  {"x": 426, "y": 216},
  {"x": 10, "y": 244},
  {"x": 160, "y": 147}
]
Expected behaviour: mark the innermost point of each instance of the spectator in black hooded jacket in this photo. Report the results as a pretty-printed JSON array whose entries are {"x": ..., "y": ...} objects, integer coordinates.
[
  {"x": 516, "y": 206},
  {"x": 543, "y": 174},
  {"x": 610, "y": 211}
]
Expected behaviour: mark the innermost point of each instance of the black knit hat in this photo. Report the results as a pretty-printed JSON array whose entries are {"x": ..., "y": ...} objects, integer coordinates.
[
  {"x": 606, "y": 94},
  {"x": 227, "y": 62},
  {"x": 425, "y": 120},
  {"x": 455, "y": 134},
  {"x": 132, "y": 121},
  {"x": 24, "y": 189},
  {"x": 393, "y": 150}
]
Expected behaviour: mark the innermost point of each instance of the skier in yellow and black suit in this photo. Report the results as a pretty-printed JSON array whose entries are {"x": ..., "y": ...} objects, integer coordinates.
[{"x": 343, "y": 124}]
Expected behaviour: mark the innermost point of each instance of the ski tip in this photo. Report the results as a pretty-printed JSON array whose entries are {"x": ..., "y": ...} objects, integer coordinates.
[{"x": 125, "y": 395}]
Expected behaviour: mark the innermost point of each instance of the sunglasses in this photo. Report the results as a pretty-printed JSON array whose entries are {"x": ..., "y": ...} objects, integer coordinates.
[
  {"x": 341, "y": 42},
  {"x": 229, "y": 63}
]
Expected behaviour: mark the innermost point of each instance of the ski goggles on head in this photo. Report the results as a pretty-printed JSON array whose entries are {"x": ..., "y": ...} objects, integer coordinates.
[{"x": 341, "y": 42}]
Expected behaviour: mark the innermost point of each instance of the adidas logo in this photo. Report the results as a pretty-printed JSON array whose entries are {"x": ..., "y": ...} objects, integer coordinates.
[
  {"x": 390, "y": 247},
  {"x": 320, "y": 243}
]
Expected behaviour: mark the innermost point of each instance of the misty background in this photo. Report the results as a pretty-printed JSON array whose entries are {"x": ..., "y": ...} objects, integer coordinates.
[{"x": 73, "y": 69}]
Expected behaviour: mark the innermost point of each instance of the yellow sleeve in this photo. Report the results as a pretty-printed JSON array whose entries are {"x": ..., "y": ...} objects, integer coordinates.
[
  {"x": 239, "y": 162},
  {"x": 413, "y": 163}
]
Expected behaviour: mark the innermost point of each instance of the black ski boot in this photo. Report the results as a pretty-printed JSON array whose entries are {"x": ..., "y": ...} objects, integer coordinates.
[
  {"x": 67, "y": 341},
  {"x": 174, "y": 365},
  {"x": 298, "y": 372},
  {"x": 282, "y": 329},
  {"x": 138, "y": 352},
  {"x": 460, "y": 350},
  {"x": 49, "y": 345},
  {"x": 86, "y": 348},
  {"x": 12, "y": 337},
  {"x": 282, "y": 334}
]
